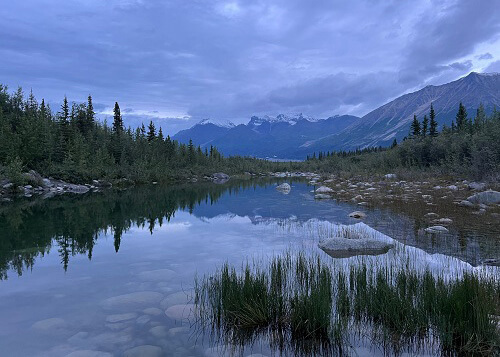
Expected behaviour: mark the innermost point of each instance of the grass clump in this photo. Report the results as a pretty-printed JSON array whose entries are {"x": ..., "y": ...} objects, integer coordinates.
[{"x": 305, "y": 307}]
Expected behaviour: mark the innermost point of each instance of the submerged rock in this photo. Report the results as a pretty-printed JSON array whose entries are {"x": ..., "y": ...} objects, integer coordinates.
[
  {"x": 144, "y": 351},
  {"x": 89, "y": 353},
  {"x": 132, "y": 300},
  {"x": 436, "y": 229},
  {"x": 486, "y": 197},
  {"x": 345, "y": 247},
  {"x": 54, "y": 323},
  {"x": 357, "y": 214},
  {"x": 284, "y": 187},
  {"x": 180, "y": 312}
]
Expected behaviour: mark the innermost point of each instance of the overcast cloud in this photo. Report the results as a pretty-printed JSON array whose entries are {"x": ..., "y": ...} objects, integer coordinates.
[{"x": 177, "y": 62}]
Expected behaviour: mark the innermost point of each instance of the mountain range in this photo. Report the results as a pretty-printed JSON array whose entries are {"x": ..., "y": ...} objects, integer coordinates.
[{"x": 294, "y": 137}]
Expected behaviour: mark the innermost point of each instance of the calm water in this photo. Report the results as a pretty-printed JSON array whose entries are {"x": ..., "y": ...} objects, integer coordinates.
[{"x": 104, "y": 273}]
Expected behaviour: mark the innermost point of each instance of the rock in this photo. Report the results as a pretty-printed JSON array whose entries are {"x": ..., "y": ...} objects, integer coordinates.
[
  {"x": 436, "y": 229},
  {"x": 7, "y": 186},
  {"x": 357, "y": 198},
  {"x": 431, "y": 215},
  {"x": 345, "y": 247},
  {"x": 466, "y": 203},
  {"x": 121, "y": 317},
  {"x": 54, "y": 323},
  {"x": 175, "y": 330},
  {"x": 322, "y": 196},
  {"x": 427, "y": 197},
  {"x": 220, "y": 177},
  {"x": 34, "y": 177},
  {"x": 89, "y": 353},
  {"x": 477, "y": 186},
  {"x": 101, "y": 183},
  {"x": 284, "y": 188},
  {"x": 144, "y": 351},
  {"x": 142, "y": 320},
  {"x": 486, "y": 197},
  {"x": 357, "y": 214},
  {"x": 452, "y": 187},
  {"x": 444, "y": 221},
  {"x": 28, "y": 187},
  {"x": 175, "y": 299},
  {"x": 159, "y": 331},
  {"x": 132, "y": 300},
  {"x": 180, "y": 312},
  {"x": 323, "y": 189},
  {"x": 390, "y": 176},
  {"x": 154, "y": 311}
]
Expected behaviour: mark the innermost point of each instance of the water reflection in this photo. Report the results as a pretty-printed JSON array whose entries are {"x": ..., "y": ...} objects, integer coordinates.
[{"x": 146, "y": 245}]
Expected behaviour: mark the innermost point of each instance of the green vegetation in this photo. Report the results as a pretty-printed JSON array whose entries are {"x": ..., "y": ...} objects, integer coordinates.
[
  {"x": 72, "y": 145},
  {"x": 470, "y": 148},
  {"x": 305, "y": 307}
]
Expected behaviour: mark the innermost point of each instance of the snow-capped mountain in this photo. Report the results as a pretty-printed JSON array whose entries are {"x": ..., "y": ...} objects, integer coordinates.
[
  {"x": 295, "y": 136},
  {"x": 264, "y": 136},
  {"x": 227, "y": 124}
]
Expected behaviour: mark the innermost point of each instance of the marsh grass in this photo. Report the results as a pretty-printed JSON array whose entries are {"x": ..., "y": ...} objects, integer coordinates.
[{"x": 304, "y": 306}]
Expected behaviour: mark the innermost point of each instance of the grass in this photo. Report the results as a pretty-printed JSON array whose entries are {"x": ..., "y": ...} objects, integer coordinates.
[{"x": 303, "y": 306}]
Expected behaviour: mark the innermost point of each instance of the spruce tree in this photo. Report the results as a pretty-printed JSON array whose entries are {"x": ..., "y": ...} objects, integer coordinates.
[
  {"x": 415, "y": 127},
  {"x": 425, "y": 125},
  {"x": 394, "y": 143},
  {"x": 160, "y": 135},
  {"x": 151, "y": 131},
  {"x": 480, "y": 118},
  {"x": 461, "y": 118},
  {"x": 117, "y": 119},
  {"x": 433, "y": 124},
  {"x": 90, "y": 115}
]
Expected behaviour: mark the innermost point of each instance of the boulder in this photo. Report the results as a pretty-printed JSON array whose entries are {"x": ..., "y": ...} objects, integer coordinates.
[
  {"x": 452, "y": 187},
  {"x": 357, "y": 214},
  {"x": 476, "y": 186},
  {"x": 436, "y": 229},
  {"x": 323, "y": 189},
  {"x": 220, "y": 177},
  {"x": 485, "y": 197},
  {"x": 284, "y": 187},
  {"x": 344, "y": 247},
  {"x": 444, "y": 221},
  {"x": 390, "y": 176},
  {"x": 465, "y": 203},
  {"x": 34, "y": 177}
]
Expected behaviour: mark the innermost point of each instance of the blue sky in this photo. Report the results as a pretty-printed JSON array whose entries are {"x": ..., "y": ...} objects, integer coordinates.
[{"x": 179, "y": 61}]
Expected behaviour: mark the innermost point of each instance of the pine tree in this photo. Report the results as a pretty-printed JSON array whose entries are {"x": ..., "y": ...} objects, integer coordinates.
[
  {"x": 480, "y": 118},
  {"x": 117, "y": 119},
  {"x": 425, "y": 125},
  {"x": 90, "y": 115},
  {"x": 461, "y": 118},
  {"x": 433, "y": 124},
  {"x": 415, "y": 127},
  {"x": 394, "y": 143},
  {"x": 160, "y": 135},
  {"x": 151, "y": 131}
]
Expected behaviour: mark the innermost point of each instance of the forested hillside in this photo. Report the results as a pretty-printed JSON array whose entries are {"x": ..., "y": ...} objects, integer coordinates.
[{"x": 71, "y": 144}]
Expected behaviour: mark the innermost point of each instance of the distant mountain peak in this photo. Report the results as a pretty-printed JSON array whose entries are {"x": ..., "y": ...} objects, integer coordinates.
[
  {"x": 291, "y": 119},
  {"x": 207, "y": 121}
]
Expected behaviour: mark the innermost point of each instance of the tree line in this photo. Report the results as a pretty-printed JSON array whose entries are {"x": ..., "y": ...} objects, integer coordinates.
[{"x": 73, "y": 145}]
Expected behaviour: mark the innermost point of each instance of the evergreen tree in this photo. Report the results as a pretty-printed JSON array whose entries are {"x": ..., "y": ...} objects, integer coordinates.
[
  {"x": 425, "y": 125},
  {"x": 151, "y": 131},
  {"x": 117, "y": 119},
  {"x": 415, "y": 127},
  {"x": 394, "y": 143},
  {"x": 89, "y": 115},
  {"x": 461, "y": 118},
  {"x": 160, "y": 135},
  {"x": 433, "y": 123},
  {"x": 480, "y": 118}
]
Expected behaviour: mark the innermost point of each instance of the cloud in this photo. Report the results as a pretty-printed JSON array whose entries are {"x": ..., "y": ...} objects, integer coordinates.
[
  {"x": 493, "y": 67},
  {"x": 229, "y": 59},
  {"x": 485, "y": 56}
]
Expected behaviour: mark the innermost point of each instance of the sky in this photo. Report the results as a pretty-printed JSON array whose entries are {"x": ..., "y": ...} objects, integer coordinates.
[{"x": 177, "y": 62}]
